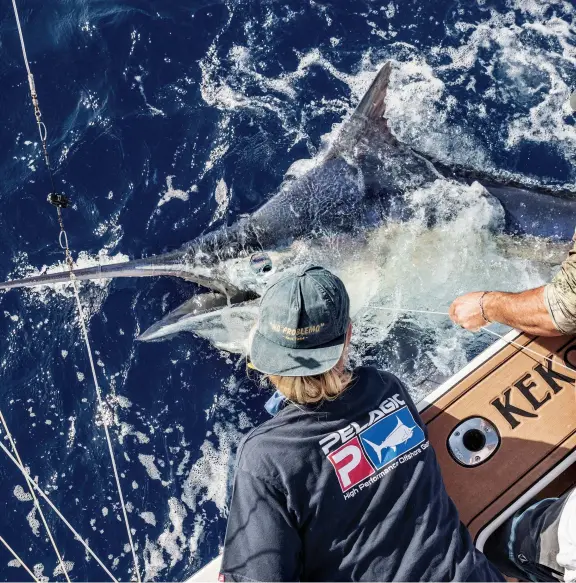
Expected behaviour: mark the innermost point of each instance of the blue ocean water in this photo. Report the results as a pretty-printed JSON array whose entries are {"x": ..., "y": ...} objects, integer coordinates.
[{"x": 153, "y": 108}]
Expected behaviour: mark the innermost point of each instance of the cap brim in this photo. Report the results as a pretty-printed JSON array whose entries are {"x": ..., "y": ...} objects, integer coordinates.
[{"x": 271, "y": 358}]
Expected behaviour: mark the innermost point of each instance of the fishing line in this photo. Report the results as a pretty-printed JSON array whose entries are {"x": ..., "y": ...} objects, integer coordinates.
[
  {"x": 59, "y": 514},
  {"x": 60, "y": 202},
  {"x": 483, "y": 329},
  {"x": 22, "y": 563},
  {"x": 411, "y": 311},
  {"x": 33, "y": 494},
  {"x": 526, "y": 349}
]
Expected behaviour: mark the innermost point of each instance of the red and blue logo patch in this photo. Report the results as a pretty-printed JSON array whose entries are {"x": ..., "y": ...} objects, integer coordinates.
[{"x": 375, "y": 447}]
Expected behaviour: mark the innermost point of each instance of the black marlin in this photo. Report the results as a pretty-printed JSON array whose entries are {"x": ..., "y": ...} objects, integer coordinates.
[{"x": 361, "y": 183}]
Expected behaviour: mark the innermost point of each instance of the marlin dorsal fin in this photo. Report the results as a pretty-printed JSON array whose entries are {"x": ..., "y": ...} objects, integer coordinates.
[
  {"x": 373, "y": 104},
  {"x": 370, "y": 112}
]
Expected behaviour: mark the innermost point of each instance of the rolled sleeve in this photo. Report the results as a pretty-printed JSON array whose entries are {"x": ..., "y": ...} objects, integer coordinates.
[{"x": 560, "y": 296}]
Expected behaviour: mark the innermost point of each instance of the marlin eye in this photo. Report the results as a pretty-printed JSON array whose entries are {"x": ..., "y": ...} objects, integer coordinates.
[{"x": 260, "y": 263}]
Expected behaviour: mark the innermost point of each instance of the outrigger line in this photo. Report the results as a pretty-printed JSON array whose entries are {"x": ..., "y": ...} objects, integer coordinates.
[
  {"x": 58, "y": 513},
  {"x": 61, "y": 202},
  {"x": 20, "y": 561},
  {"x": 33, "y": 494}
]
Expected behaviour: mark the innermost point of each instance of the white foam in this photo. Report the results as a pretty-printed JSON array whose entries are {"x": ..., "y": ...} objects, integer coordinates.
[
  {"x": 419, "y": 115},
  {"x": 182, "y": 465},
  {"x": 172, "y": 193},
  {"x": 148, "y": 461},
  {"x": 38, "y": 571},
  {"x": 123, "y": 401},
  {"x": 222, "y": 197},
  {"x": 153, "y": 110},
  {"x": 148, "y": 518},
  {"x": 22, "y": 495},
  {"x": 197, "y": 535},
  {"x": 277, "y": 94},
  {"x": 528, "y": 81},
  {"x": 173, "y": 540},
  {"x": 153, "y": 560},
  {"x": 206, "y": 480},
  {"x": 68, "y": 565},
  {"x": 127, "y": 429},
  {"x": 244, "y": 421},
  {"x": 112, "y": 229},
  {"x": 33, "y": 522}
]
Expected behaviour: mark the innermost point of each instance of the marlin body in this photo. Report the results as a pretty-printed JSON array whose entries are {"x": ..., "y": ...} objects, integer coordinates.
[
  {"x": 399, "y": 435},
  {"x": 363, "y": 182}
]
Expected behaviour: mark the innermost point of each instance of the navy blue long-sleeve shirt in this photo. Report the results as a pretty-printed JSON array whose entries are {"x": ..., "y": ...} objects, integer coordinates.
[{"x": 348, "y": 490}]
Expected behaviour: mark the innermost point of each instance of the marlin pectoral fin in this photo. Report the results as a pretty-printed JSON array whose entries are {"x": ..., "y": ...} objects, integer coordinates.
[
  {"x": 209, "y": 316},
  {"x": 176, "y": 321},
  {"x": 370, "y": 112}
]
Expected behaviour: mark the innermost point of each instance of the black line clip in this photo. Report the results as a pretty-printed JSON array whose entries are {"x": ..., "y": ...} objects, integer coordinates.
[{"x": 58, "y": 200}]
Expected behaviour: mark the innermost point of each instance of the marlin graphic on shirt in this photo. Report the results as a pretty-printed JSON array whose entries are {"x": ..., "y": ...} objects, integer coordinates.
[{"x": 400, "y": 434}]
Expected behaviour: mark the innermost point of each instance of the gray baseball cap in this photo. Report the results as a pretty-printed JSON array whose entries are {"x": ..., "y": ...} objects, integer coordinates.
[{"x": 302, "y": 325}]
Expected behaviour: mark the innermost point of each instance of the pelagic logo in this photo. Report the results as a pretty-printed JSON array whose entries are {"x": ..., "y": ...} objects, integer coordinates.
[
  {"x": 376, "y": 445},
  {"x": 533, "y": 390},
  {"x": 386, "y": 407}
]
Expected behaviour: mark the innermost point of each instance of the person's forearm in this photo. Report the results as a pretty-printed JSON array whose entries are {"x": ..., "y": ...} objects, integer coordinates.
[{"x": 524, "y": 311}]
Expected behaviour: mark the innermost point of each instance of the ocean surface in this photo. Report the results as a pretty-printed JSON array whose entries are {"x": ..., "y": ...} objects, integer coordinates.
[{"x": 166, "y": 119}]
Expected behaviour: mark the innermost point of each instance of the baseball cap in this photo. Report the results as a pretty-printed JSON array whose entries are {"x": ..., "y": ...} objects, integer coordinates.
[{"x": 302, "y": 324}]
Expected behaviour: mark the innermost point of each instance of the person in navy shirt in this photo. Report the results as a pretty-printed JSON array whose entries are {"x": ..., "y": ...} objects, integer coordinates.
[{"x": 342, "y": 483}]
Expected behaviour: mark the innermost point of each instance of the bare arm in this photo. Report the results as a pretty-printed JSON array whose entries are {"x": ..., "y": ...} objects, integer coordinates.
[{"x": 525, "y": 311}]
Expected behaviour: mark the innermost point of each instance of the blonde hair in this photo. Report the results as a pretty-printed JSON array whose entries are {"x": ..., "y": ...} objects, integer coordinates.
[
  {"x": 308, "y": 390},
  {"x": 311, "y": 389}
]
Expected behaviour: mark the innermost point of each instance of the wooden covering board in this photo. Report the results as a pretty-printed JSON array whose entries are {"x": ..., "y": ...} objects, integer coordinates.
[{"x": 532, "y": 403}]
